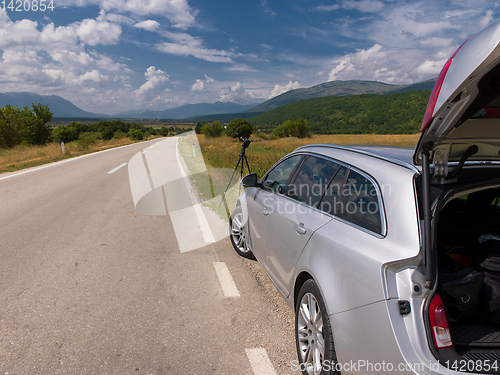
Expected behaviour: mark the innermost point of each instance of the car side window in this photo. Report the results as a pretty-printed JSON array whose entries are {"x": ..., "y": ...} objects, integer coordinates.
[
  {"x": 277, "y": 178},
  {"x": 312, "y": 180},
  {"x": 360, "y": 203},
  {"x": 332, "y": 197}
]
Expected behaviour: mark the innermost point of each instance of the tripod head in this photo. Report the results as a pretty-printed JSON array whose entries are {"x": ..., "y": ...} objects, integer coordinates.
[{"x": 246, "y": 142}]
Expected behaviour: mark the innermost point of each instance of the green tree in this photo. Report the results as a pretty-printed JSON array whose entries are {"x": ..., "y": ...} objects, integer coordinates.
[
  {"x": 239, "y": 128},
  {"x": 64, "y": 133},
  {"x": 212, "y": 129},
  {"x": 198, "y": 127},
  {"x": 164, "y": 131},
  {"x": 34, "y": 130},
  {"x": 10, "y": 126},
  {"x": 292, "y": 128},
  {"x": 135, "y": 134}
]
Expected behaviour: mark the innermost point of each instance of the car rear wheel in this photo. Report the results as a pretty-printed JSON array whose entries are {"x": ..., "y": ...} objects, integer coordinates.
[
  {"x": 313, "y": 333},
  {"x": 237, "y": 234}
]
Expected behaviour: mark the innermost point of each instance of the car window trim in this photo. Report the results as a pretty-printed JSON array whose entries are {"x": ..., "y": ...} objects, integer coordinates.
[
  {"x": 384, "y": 230},
  {"x": 305, "y": 155}
]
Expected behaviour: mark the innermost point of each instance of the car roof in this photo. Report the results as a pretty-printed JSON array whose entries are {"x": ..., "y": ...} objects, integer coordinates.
[{"x": 399, "y": 155}]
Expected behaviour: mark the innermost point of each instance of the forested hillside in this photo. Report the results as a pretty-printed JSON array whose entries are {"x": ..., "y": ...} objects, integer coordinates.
[{"x": 399, "y": 113}]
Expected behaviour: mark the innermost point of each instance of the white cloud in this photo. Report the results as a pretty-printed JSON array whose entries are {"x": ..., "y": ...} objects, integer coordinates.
[
  {"x": 233, "y": 94},
  {"x": 55, "y": 60},
  {"x": 198, "y": 86},
  {"x": 326, "y": 8},
  {"x": 149, "y": 25},
  {"x": 487, "y": 19},
  {"x": 180, "y": 14},
  {"x": 278, "y": 90},
  {"x": 93, "y": 32},
  {"x": 187, "y": 45},
  {"x": 155, "y": 87}
]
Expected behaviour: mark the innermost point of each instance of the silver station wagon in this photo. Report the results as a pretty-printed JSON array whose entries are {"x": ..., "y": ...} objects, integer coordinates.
[{"x": 390, "y": 258}]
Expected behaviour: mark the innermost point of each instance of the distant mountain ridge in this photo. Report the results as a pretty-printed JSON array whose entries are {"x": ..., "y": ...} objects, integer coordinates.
[
  {"x": 59, "y": 107},
  {"x": 339, "y": 88},
  {"x": 187, "y": 111}
]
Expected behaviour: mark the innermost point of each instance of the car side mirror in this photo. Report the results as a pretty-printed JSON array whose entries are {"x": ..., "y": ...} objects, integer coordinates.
[{"x": 250, "y": 180}]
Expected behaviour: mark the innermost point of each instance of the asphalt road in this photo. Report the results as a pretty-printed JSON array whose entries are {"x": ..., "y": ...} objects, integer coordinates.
[{"x": 88, "y": 285}]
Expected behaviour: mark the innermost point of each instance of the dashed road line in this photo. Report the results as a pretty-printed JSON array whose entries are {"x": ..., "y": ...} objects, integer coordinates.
[
  {"x": 260, "y": 362},
  {"x": 226, "y": 281},
  {"x": 117, "y": 168}
]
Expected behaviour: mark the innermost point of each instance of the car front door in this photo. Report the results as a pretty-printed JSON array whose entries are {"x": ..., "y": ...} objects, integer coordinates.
[
  {"x": 260, "y": 205},
  {"x": 293, "y": 218}
]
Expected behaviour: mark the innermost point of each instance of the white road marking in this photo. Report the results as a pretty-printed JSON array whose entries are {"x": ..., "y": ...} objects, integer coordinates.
[
  {"x": 225, "y": 279},
  {"x": 117, "y": 168},
  {"x": 208, "y": 236},
  {"x": 261, "y": 365}
]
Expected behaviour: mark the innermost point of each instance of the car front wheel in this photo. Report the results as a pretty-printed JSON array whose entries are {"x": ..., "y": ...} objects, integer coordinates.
[
  {"x": 237, "y": 234},
  {"x": 313, "y": 333}
]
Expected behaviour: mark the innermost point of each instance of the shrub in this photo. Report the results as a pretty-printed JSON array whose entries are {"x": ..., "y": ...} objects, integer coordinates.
[
  {"x": 295, "y": 128},
  {"x": 85, "y": 140},
  {"x": 212, "y": 129},
  {"x": 135, "y": 134},
  {"x": 119, "y": 135},
  {"x": 239, "y": 128}
]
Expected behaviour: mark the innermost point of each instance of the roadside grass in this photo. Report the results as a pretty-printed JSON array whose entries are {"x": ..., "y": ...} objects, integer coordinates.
[
  {"x": 262, "y": 154},
  {"x": 210, "y": 182},
  {"x": 22, "y": 156}
]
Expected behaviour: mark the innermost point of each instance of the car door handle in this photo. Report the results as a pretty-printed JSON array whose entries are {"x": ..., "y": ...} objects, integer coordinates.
[
  {"x": 299, "y": 228},
  {"x": 265, "y": 211}
]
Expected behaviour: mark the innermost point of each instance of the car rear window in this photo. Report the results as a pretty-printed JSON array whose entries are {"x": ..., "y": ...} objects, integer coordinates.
[{"x": 354, "y": 199}]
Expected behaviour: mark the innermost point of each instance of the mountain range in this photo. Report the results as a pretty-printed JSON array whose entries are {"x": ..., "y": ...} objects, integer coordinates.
[
  {"x": 63, "y": 108},
  {"x": 59, "y": 107}
]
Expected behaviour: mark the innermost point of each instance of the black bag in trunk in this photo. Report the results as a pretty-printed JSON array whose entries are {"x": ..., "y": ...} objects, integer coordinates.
[
  {"x": 490, "y": 294},
  {"x": 461, "y": 290}
]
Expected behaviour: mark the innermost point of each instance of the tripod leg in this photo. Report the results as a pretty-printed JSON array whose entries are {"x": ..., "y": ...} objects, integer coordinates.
[
  {"x": 246, "y": 160},
  {"x": 235, "y": 169}
]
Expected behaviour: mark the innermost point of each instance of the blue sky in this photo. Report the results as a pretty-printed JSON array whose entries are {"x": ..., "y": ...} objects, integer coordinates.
[{"x": 110, "y": 56}]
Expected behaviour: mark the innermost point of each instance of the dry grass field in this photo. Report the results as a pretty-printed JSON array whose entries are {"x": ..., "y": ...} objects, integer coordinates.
[
  {"x": 21, "y": 157},
  {"x": 223, "y": 152}
]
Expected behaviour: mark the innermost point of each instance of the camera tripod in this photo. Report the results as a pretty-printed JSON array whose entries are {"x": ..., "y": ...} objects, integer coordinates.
[{"x": 242, "y": 157}]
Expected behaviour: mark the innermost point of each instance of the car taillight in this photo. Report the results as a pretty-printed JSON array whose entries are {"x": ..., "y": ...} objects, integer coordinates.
[
  {"x": 439, "y": 324},
  {"x": 437, "y": 89}
]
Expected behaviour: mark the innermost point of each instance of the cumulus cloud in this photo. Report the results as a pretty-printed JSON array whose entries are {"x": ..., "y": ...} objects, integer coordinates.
[
  {"x": 93, "y": 32},
  {"x": 198, "y": 86},
  {"x": 233, "y": 94},
  {"x": 155, "y": 87},
  {"x": 56, "y": 60},
  {"x": 404, "y": 42},
  {"x": 149, "y": 25},
  {"x": 387, "y": 65},
  {"x": 278, "y": 90}
]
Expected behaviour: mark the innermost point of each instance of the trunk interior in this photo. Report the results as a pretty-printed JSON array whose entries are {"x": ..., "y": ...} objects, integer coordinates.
[{"x": 469, "y": 273}]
